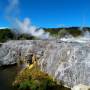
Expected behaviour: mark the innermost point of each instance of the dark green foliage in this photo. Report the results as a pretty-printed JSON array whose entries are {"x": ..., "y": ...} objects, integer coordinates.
[
  {"x": 6, "y": 34},
  {"x": 28, "y": 85},
  {"x": 60, "y": 32},
  {"x": 74, "y": 31},
  {"x": 25, "y": 37},
  {"x": 52, "y": 31}
]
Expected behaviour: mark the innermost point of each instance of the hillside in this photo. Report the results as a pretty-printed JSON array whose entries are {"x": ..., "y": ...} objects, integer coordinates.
[
  {"x": 8, "y": 34},
  {"x": 74, "y": 31}
]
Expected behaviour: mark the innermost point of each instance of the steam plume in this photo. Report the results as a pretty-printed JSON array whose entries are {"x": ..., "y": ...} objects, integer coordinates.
[
  {"x": 81, "y": 39},
  {"x": 25, "y": 26},
  {"x": 12, "y": 10}
]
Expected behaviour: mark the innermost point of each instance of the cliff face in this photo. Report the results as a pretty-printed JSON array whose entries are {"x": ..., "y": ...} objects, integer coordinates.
[
  {"x": 66, "y": 61},
  {"x": 13, "y": 51},
  {"x": 69, "y": 62}
]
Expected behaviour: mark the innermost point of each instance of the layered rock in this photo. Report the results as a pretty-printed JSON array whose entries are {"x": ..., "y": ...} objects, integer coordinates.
[
  {"x": 68, "y": 62},
  {"x": 13, "y": 51}
]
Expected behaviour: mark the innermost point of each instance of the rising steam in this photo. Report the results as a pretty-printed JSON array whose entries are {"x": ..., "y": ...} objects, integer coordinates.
[
  {"x": 25, "y": 26},
  {"x": 85, "y": 37},
  {"x": 12, "y": 10}
]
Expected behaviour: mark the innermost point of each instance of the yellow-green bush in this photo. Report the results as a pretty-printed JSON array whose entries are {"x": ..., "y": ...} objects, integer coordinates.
[{"x": 34, "y": 79}]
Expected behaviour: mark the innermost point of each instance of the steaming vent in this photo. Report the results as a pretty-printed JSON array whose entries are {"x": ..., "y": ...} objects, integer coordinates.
[
  {"x": 26, "y": 27},
  {"x": 85, "y": 38}
]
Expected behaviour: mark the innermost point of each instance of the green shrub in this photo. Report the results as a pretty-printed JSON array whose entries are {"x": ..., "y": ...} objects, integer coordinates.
[
  {"x": 34, "y": 79},
  {"x": 6, "y": 34},
  {"x": 28, "y": 85}
]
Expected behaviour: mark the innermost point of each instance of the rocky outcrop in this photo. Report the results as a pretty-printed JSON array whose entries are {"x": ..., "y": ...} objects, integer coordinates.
[
  {"x": 81, "y": 87},
  {"x": 13, "y": 51},
  {"x": 68, "y": 62}
]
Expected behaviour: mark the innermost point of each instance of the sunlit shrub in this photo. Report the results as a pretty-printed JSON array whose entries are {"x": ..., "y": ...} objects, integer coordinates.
[{"x": 34, "y": 79}]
